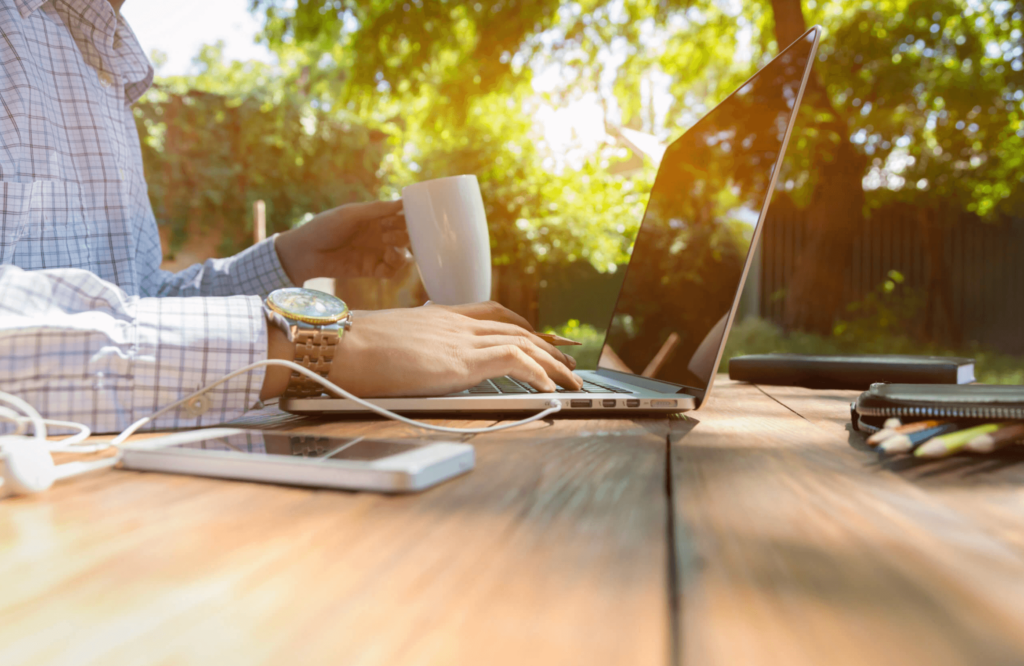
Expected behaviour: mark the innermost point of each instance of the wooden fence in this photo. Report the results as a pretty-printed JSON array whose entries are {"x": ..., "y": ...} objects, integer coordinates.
[{"x": 970, "y": 272}]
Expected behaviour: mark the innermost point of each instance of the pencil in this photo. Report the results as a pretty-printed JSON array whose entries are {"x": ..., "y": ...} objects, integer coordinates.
[
  {"x": 989, "y": 442},
  {"x": 904, "y": 442},
  {"x": 950, "y": 443},
  {"x": 887, "y": 432},
  {"x": 556, "y": 340}
]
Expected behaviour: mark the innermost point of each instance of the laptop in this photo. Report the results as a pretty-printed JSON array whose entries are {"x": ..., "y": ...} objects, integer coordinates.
[{"x": 685, "y": 275}]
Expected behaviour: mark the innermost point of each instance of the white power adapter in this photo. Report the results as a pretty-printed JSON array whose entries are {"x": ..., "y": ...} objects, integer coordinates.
[{"x": 25, "y": 466}]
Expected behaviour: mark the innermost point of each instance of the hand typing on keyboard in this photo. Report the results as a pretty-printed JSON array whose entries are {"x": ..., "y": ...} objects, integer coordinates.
[
  {"x": 507, "y": 385},
  {"x": 438, "y": 350}
]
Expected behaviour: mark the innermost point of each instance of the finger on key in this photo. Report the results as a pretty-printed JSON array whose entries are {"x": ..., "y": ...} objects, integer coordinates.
[
  {"x": 554, "y": 368},
  {"x": 512, "y": 361},
  {"x": 511, "y": 330}
]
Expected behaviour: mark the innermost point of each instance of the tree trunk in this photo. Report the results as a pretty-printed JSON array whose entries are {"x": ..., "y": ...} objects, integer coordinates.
[
  {"x": 939, "y": 323},
  {"x": 815, "y": 292},
  {"x": 789, "y": 21},
  {"x": 836, "y": 213}
]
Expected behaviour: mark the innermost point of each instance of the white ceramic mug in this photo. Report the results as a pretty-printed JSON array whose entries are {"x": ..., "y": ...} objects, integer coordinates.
[{"x": 448, "y": 233}]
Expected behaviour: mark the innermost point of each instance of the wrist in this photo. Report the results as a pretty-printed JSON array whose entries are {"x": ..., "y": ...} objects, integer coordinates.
[
  {"x": 288, "y": 245},
  {"x": 346, "y": 370},
  {"x": 275, "y": 381},
  {"x": 313, "y": 323}
]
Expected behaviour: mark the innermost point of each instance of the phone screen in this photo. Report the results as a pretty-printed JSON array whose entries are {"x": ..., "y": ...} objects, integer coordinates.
[{"x": 265, "y": 443}]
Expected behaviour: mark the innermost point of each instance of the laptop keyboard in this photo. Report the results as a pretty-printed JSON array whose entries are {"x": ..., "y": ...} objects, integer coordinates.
[{"x": 509, "y": 386}]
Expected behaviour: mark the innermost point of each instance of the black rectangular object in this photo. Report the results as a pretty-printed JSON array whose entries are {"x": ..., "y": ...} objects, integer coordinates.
[{"x": 855, "y": 371}]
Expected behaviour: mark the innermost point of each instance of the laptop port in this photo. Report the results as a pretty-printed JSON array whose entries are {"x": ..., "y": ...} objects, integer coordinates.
[
  {"x": 581, "y": 403},
  {"x": 663, "y": 403},
  {"x": 607, "y": 403},
  {"x": 632, "y": 403}
]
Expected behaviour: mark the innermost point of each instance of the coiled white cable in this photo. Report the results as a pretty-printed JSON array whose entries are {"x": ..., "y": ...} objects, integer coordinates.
[
  {"x": 73, "y": 442},
  {"x": 20, "y": 421},
  {"x": 28, "y": 415}
]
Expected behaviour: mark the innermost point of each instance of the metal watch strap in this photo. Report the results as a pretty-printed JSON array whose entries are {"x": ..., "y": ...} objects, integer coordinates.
[{"x": 314, "y": 349}]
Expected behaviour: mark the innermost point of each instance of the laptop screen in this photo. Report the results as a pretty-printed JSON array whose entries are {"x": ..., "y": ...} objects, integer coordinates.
[{"x": 688, "y": 260}]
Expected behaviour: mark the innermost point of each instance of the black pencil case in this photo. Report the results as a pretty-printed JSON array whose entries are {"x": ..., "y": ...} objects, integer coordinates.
[{"x": 917, "y": 402}]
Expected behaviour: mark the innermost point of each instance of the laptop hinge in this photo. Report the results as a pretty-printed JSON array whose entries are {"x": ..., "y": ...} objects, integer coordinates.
[{"x": 648, "y": 383}]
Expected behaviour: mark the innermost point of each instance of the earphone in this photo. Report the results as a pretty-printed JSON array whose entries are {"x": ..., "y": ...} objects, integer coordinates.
[{"x": 27, "y": 467}]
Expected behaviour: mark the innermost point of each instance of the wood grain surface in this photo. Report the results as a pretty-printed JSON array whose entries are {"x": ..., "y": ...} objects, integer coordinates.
[
  {"x": 758, "y": 531},
  {"x": 795, "y": 545},
  {"x": 552, "y": 551}
]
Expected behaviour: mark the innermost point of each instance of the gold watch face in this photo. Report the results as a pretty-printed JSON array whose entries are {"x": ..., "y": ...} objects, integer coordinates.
[{"x": 308, "y": 305}]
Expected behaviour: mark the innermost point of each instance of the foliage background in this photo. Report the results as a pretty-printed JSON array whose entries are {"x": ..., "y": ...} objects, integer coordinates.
[{"x": 913, "y": 101}]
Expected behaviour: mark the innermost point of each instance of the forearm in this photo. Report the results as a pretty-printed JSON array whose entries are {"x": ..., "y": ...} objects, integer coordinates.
[
  {"x": 256, "y": 270},
  {"x": 79, "y": 349}
]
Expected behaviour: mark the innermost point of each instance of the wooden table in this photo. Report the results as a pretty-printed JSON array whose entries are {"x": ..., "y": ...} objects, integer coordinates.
[{"x": 759, "y": 531}]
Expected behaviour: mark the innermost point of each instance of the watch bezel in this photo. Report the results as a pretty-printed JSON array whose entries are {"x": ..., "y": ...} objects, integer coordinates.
[{"x": 309, "y": 319}]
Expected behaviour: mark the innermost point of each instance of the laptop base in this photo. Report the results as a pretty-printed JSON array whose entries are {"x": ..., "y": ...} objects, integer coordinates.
[{"x": 614, "y": 401}]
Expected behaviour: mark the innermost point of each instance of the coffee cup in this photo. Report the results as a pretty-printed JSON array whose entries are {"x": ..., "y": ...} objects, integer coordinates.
[{"x": 448, "y": 234}]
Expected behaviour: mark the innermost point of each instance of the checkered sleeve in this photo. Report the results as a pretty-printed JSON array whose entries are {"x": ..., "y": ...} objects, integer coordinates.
[
  {"x": 256, "y": 271},
  {"x": 79, "y": 348}
]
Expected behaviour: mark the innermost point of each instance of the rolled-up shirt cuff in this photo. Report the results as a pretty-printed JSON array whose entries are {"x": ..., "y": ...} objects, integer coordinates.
[
  {"x": 183, "y": 344},
  {"x": 258, "y": 271}
]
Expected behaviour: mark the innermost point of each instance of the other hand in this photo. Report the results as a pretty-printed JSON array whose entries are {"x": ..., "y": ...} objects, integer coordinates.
[
  {"x": 354, "y": 240},
  {"x": 436, "y": 350}
]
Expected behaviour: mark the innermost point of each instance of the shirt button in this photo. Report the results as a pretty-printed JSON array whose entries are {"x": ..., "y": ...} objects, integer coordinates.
[
  {"x": 106, "y": 80},
  {"x": 121, "y": 171},
  {"x": 198, "y": 406}
]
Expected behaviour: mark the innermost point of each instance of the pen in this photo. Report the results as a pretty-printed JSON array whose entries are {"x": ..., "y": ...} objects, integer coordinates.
[{"x": 556, "y": 340}]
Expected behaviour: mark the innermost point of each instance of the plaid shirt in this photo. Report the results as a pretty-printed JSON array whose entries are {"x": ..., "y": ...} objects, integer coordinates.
[{"x": 91, "y": 329}]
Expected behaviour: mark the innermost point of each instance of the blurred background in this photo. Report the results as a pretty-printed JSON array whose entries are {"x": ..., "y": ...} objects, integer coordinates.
[{"x": 896, "y": 222}]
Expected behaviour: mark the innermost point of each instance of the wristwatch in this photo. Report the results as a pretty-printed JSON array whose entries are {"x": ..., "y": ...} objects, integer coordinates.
[{"x": 315, "y": 321}]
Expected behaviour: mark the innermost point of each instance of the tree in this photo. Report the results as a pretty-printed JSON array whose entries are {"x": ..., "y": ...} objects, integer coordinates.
[
  {"x": 442, "y": 81},
  {"x": 912, "y": 99},
  {"x": 837, "y": 205}
]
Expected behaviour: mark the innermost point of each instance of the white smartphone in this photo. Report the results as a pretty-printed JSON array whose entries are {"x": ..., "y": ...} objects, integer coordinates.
[{"x": 318, "y": 461}]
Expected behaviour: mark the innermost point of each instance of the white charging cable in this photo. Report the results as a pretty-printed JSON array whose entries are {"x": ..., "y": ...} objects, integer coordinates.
[
  {"x": 553, "y": 405},
  {"x": 36, "y": 480}
]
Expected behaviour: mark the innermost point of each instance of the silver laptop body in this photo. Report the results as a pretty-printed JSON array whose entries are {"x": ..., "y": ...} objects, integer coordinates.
[{"x": 686, "y": 272}]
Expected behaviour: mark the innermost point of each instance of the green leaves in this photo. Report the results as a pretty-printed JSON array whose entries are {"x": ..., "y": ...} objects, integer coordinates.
[
  {"x": 214, "y": 143},
  {"x": 370, "y": 95},
  {"x": 411, "y": 43}
]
